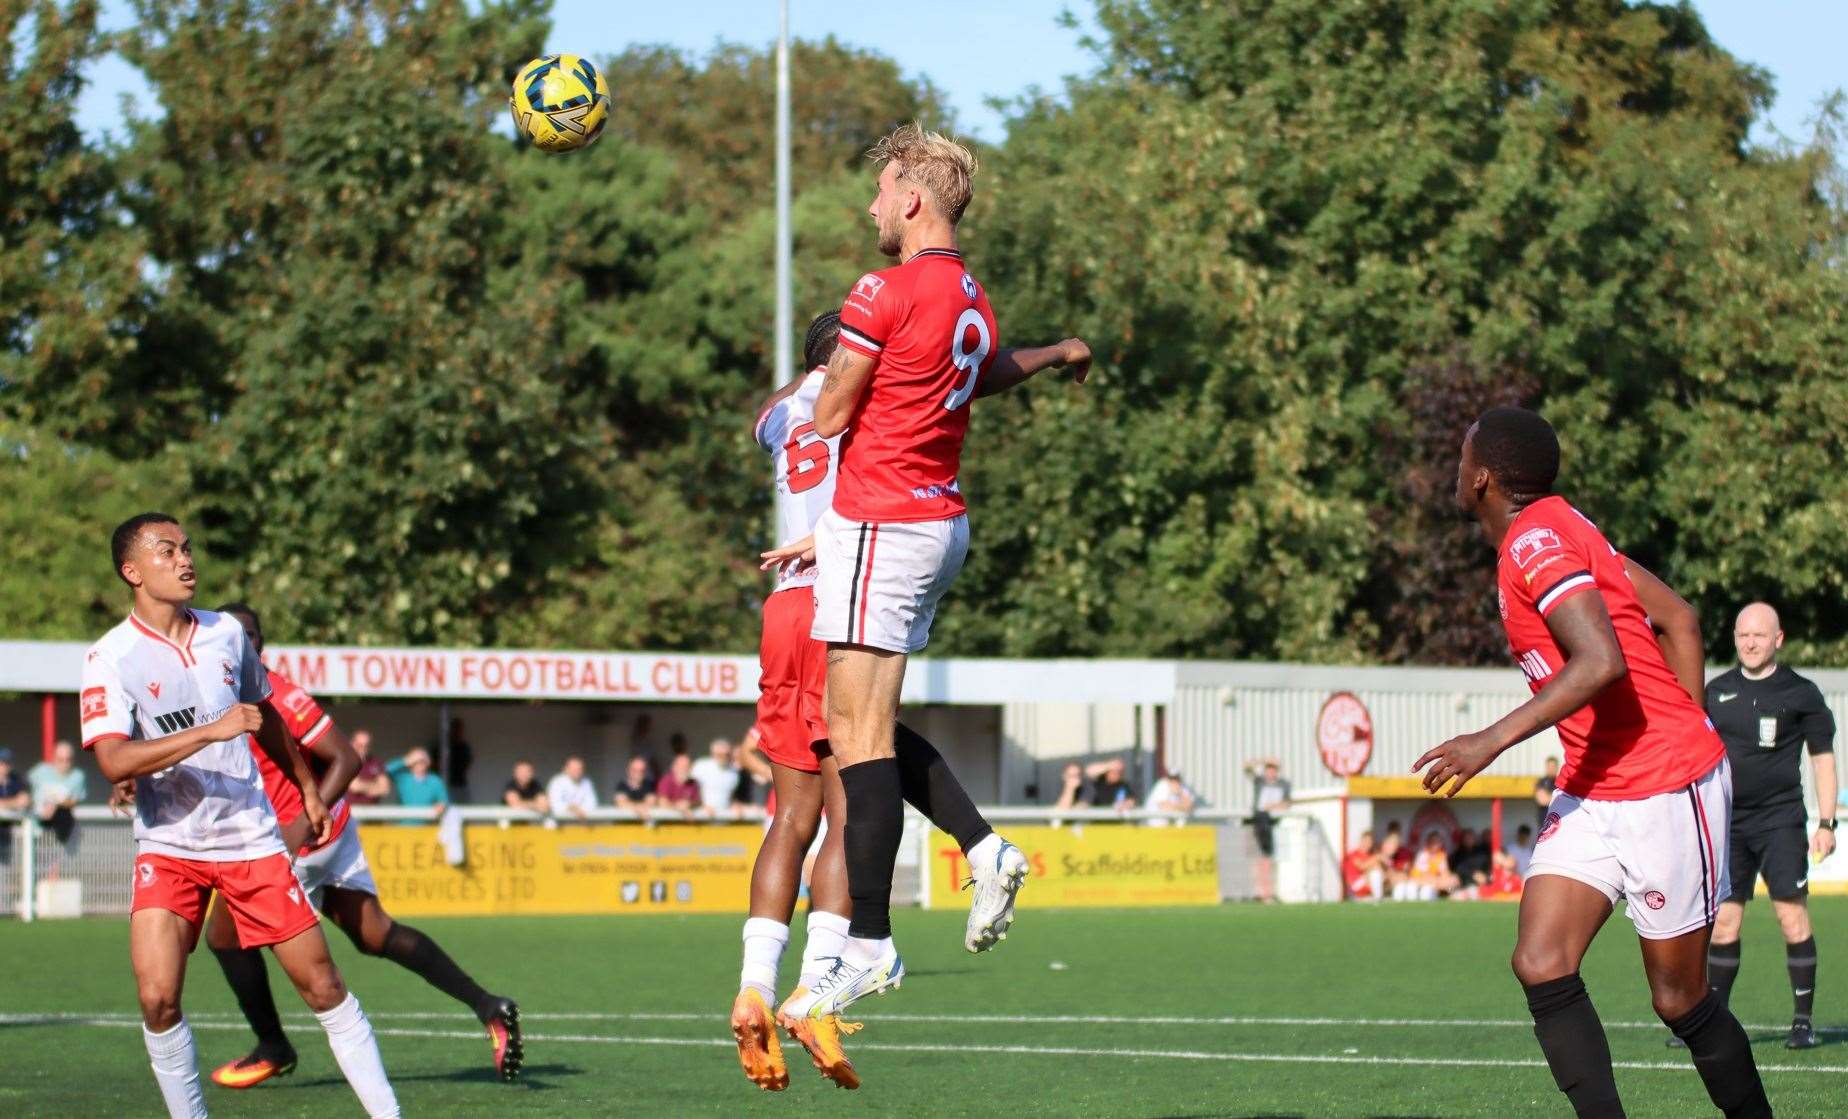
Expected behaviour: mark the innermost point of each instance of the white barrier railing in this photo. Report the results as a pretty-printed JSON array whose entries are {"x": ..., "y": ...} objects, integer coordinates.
[{"x": 41, "y": 875}]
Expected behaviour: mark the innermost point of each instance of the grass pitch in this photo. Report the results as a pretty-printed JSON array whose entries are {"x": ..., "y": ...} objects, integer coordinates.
[{"x": 1242, "y": 1010}]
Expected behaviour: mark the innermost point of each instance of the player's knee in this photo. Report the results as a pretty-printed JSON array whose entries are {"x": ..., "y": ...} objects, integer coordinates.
[
  {"x": 160, "y": 1005},
  {"x": 1540, "y": 963},
  {"x": 1673, "y": 1000},
  {"x": 324, "y": 989}
]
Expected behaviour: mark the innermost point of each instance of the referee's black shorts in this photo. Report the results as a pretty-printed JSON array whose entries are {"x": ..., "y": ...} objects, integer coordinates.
[{"x": 1780, "y": 853}]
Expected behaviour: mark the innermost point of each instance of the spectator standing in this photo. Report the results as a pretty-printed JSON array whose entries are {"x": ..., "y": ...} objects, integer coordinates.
[
  {"x": 677, "y": 789},
  {"x": 1364, "y": 870},
  {"x": 1523, "y": 851},
  {"x": 459, "y": 759},
  {"x": 15, "y": 796},
  {"x": 1768, "y": 716},
  {"x": 1270, "y": 794},
  {"x": 371, "y": 784},
  {"x": 524, "y": 790},
  {"x": 416, "y": 785},
  {"x": 1543, "y": 793},
  {"x": 641, "y": 739},
  {"x": 1110, "y": 787},
  {"x": 57, "y": 787},
  {"x": 571, "y": 794},
  {"x": 636, "y": 790},
  {"x": 718, "y": 778}
]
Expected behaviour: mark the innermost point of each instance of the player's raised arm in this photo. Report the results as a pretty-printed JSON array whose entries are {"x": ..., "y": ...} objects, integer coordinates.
[
  {"x": 849, "y": 372},
  {"x": 1581, "y": 626},
  {"x": 1677, "y": 628},
  {"x": 1015, "y": 366}
]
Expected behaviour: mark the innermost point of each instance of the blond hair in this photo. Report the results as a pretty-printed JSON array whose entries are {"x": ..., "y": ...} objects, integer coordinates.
[{"x": 943, "y": 167}]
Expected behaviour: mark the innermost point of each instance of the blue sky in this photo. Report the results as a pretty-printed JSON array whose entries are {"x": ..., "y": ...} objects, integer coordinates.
[{"x": 979, "y": 49}]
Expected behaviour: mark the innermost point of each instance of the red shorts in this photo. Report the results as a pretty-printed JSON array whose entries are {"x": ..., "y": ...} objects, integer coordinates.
[
  {"x": 790, "y": 715},
  {"x": 267, "y": 903}
]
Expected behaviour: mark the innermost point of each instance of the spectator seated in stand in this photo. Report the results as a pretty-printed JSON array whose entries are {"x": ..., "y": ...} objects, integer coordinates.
[
  {"x": 416, "y": 784},
  {"x": 1473, "y": 860},
  {"x": 758, "y": 777},
  {"x": 371, "y": 785},
  {"x": 1071, "y": 787},
  {"x": 15, "y": 795},
  {"x": 571, "y": 793},
  {"x": 1110, "y": 788},
  {"x": 718, "y": 779},
  {"x": 677, "y": 790},
  {"x": 1364, "y": 870},
  {"x": 1522, "y": 852},
  {"x": 1504, "y": 882},
  {"x": 636, "y": 792},
  {"x": 57, "y": 787},
  {"x": 1171, "y": 795},
  {"x": 524, "y": 790},
  {"x": 1431, "y": 877}
]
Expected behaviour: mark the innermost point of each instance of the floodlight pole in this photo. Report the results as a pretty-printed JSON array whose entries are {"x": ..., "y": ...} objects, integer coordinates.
[{"x": 784, "y": 325}]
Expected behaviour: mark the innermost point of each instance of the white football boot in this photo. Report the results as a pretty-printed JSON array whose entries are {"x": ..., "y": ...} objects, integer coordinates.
[
  {"x": 991, "y": 910},
  {"x": 846, "y": 983}
]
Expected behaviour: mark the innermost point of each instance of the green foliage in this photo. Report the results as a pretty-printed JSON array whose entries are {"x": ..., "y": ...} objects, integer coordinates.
[{"x": 421, "y": 384}]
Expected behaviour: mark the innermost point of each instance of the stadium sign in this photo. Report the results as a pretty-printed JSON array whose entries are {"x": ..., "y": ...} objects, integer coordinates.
[
  {"x": 1344, "y": 734},
  {"x": 517, "y": 674}
]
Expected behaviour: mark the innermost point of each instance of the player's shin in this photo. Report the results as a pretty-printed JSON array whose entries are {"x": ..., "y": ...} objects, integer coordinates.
[
  {"x": 1800, "y": 959},
  {"x": 1723, "y": 1056},
  {"x": 875, "y": 824},
  {"x": 416, "y": 952},
  {"x": 931, "y": 788},
  {"x": 1577, "y": 1052},
  {"x": 356, "y": 1050},
  {"x": 764, "y": 941},
  {"x": 1723, "y": 968},
  {"x": 176, "y": 1070},
  {"x": 249, "y": 979}
]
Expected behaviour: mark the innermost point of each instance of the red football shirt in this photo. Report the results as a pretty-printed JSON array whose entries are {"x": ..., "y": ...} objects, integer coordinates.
[
  {"x": 929, "y": 325},
  {"x": 307, "y": 722},
  {"x": 1644, "y": 734}
]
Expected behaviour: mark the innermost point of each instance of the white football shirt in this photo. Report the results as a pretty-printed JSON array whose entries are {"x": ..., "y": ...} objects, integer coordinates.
[
  {"x": 804, "y": 469},
  {"x": 137, "y": 684}
]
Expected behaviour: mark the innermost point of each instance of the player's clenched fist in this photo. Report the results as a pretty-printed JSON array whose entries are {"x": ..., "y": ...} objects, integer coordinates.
[
  {"x": 242, "y": 718},
  {"x": 1075, "y": 355}
]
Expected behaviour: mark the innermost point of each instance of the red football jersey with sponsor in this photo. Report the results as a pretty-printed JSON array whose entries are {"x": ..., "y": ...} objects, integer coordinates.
[
  {"x": 307, "y": 722},
  {"x": 929, "y": 325},
  {"x": 1644, "y": 734}
]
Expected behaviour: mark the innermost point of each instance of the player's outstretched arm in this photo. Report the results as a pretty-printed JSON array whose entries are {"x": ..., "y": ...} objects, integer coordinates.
[
  {"x": 1581, "y": 626},
  {"x": 342, "y": 763},
  {"x": 272, "y": 735},
  {"x": 1014, "y": 367},
  {"x": 124, "y": 759},
  {"x": 849, "y": 372},
  {"x": 1677, "y": 627}
]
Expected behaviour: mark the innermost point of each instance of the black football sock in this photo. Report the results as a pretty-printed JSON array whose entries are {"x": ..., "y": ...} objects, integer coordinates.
[
  {"x": 1723, "y": 1056},
  {"x": 875, "y": 823},
  {"x": 249, "y": 978},
  {"x": 416, "y": 952},
  {"x": 932, "y": 789},
  {"x": 1576, "y": 1051},
  {"x": 1723, "y": 968},
  {"x": 1801, "y": 959}
]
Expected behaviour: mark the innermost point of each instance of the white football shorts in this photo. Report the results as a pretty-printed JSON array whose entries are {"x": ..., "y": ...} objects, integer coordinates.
[
  {"x": 879, "y": 584},
  {"x": 341, "y": 864},
  {"x": 1665, "y": 855}
]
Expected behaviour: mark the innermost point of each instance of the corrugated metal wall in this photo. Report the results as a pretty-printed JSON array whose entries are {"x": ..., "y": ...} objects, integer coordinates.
[{"x": 1225, "y": 715}]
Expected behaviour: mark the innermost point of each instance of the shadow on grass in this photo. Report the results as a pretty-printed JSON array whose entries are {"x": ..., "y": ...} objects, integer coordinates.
[{"x": 533, "y": 1078}]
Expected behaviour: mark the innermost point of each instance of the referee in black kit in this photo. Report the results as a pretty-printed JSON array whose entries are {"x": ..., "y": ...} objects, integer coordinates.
[{"x": 1766, "y": 713}]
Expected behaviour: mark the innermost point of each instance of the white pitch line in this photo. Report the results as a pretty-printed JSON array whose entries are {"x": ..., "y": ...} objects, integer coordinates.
[
  {"x": 1017, "y": 1050},
  {"x": 955, "y": 1019}
]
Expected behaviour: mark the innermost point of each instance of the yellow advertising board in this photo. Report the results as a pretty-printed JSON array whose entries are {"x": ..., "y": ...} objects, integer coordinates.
[
  {"x": 599, "y": 868},
  {"x": 1095, "y": 864}
]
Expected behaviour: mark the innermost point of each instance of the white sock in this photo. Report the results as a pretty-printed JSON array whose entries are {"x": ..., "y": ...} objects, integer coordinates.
[
  {"x": 859, "y": 950},
  {"x": 176, "y": 1070},
  {"x": 826, "y": 940},
  {"x": 827, "y": 936},
  {"x": 764, "y": 941},
  {"x": 984, "y": 852},
  {"x": 349, "y": 1035}
]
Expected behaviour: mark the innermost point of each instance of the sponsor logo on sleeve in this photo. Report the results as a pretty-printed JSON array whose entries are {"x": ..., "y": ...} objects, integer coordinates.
[
  {"x": 968, "y": 286},
  {"x": 230, "y": 674},
  {"x": 1533, "y": 544},
  {"x": 867, "y": 288},
  {"x": 95, "y": 704},
  {"x": 297, "y": 702}
]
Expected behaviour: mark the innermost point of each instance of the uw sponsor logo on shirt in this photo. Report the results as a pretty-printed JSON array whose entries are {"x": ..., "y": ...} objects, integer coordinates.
[
  {"x": 1531, "y": 545},
  {"x": 175, "y": 721},
  {"x": 95, "y": 704}
]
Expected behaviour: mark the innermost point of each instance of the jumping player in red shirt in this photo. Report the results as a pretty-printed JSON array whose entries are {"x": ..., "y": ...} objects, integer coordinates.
[
  {"x": 1614, "y": 659},
  {"x": 338, "y": 882},
  {"x": 170, "y": 700},
  {"x": 918, "y": 342}
]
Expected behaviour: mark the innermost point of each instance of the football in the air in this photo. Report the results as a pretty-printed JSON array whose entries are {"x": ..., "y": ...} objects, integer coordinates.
[{"x": 560, "y": 102}]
